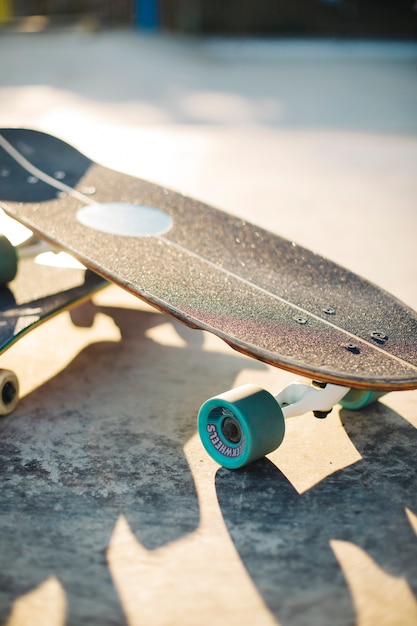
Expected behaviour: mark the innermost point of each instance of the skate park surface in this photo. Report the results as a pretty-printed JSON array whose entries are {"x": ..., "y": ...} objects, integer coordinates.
[{"x": 111, "y": 512}]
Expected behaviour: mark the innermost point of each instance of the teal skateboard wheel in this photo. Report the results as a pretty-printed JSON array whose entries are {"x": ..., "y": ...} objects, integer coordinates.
[
  {"x": 241, "y": 426},
  {"x": 8, "y": 261},
  {"x": 357, "y": 399}
]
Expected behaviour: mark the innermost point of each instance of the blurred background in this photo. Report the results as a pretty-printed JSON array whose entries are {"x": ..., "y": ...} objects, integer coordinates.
[{"x": 347, "y": 18}]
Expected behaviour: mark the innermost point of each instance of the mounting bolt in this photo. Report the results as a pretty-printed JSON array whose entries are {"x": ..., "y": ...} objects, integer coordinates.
[
  {"x": 379, "y": 337},
  {"x": 351, "y": 347},
  {"x": 301, "y": 320}
]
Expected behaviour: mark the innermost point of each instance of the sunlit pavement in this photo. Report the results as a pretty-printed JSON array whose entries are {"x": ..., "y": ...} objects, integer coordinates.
[{"x": 110, "y": 510}]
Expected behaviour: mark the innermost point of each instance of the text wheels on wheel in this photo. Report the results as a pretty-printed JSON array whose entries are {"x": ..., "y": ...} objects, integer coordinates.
[{"x": 241, "y": 426}]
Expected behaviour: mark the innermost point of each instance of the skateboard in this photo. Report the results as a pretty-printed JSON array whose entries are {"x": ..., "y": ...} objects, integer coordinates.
[
  {"x": 34, "y": 293},
  {"x": 263, "y": 295}
]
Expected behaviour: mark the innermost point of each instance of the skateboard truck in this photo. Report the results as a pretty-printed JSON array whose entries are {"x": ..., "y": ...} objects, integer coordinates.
[
  {"x": 298, "y": 398},
  {"x": 246, "y": 423}
]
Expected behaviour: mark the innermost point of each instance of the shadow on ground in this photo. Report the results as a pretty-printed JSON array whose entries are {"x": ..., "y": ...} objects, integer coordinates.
[
  {"x": 284, "y": 538},
  {"x": 103, "y": 438}
]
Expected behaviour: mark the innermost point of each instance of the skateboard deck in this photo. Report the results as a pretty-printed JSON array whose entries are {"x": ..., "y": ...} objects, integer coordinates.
[
  {"x": 37, "y": 294},
  {"x": 265, "y": 296}
]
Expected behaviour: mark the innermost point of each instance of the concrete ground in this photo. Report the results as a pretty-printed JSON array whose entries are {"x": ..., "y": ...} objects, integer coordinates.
[{"x": 110, "y": 510}]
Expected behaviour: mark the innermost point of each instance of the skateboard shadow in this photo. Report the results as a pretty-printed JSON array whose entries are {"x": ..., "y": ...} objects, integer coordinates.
[
  {"x": 103, "y": 438},
  {"x": 283, "y": 537}
]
